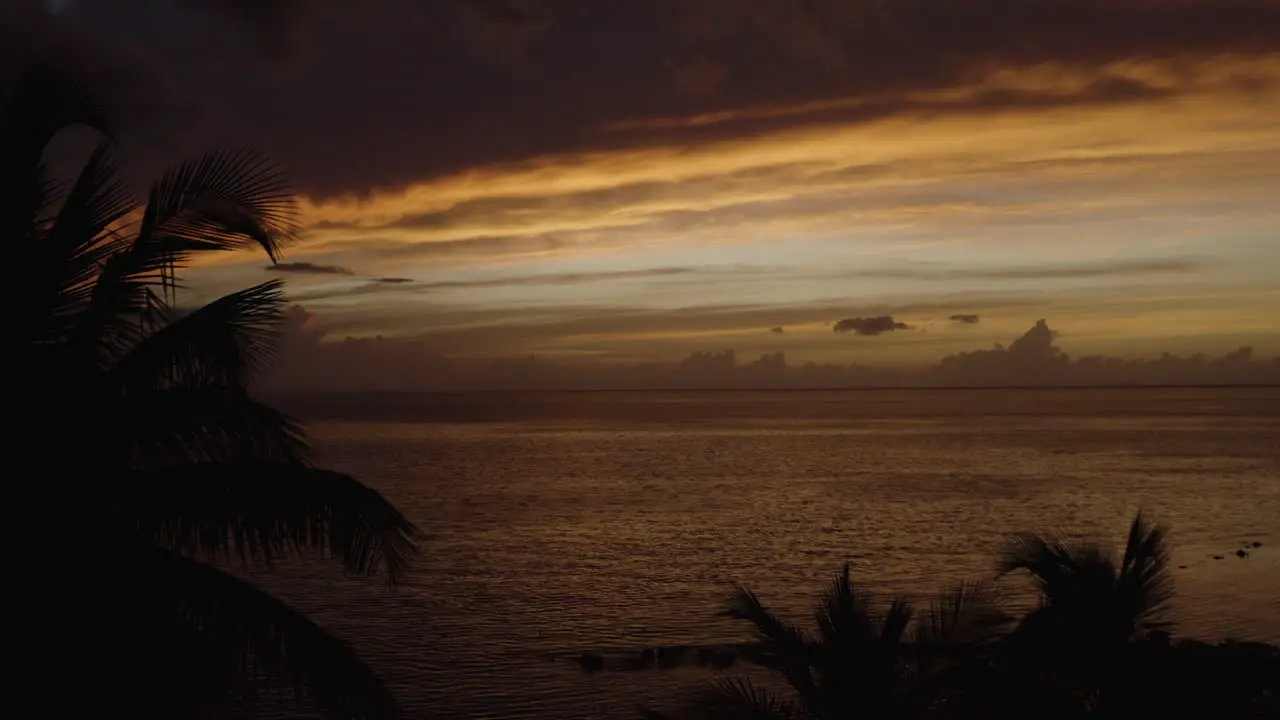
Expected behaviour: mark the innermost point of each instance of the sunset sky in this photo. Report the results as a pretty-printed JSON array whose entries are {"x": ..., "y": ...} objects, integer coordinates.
[{"x": 629, "y": 180}]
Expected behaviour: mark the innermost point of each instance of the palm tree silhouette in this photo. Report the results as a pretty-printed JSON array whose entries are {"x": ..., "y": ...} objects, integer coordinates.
[
  {"x": 1088, "y": 602},
  {"x": 863, "y": 662},
  {"x": 136, "y": 456},
  {"x": 1091, "y": 608}
]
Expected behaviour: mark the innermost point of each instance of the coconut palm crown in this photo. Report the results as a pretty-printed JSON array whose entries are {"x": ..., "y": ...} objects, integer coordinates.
[
  {"x": 1090, "y": 602},
  {"x": 139, "y": 465}
]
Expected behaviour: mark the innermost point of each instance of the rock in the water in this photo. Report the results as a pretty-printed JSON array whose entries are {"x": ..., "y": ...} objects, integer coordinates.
[{"x": 591, "y": 662}]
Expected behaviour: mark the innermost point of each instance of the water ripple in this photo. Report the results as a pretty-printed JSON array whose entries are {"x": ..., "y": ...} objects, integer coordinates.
[{"x": 611, "y": 524}]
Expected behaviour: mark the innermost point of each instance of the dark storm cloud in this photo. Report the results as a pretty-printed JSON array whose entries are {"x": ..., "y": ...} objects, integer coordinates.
[
  {"x": 113, "y": 72},
  {"x": 306, "y": 268},
  {"x": 966, "y": 319},
  {"x": 417, "y": 89},
  {"x": 393, "y": 280},
  {"x": 869, "y": 325},
  {"x": 513, "y": 12},
  {"x": 272, "y": 21},
  {"x": 779, "y": 330}
]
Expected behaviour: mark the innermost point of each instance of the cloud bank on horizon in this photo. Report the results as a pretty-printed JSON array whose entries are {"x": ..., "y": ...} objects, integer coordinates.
[
  {"x": 309, "y": 363},
  {"x": 623, "y": 181}
]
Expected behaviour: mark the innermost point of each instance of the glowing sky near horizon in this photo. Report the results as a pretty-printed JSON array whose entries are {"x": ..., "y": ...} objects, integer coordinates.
[
  {"x": 1134, "y": 202},
  {"x": 1150, "y": 226}
]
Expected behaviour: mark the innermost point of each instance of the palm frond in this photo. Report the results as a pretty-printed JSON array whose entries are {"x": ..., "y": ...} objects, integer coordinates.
[
  {"x": 221, "y": 344},
  {"x": 784, "y": 646},
  {"x": 1049, "y": 560},
  {"x": 776, "y": 633},
  {"x": 31, "y": 213},
  {"x": 1088, "y": 602},
  {"x": 42, "y": 102},
  {"x": 114, "y": 318},
  {"x": 96, "y": 202},
  {"x": 740, "y": 699},
  {"x": 263, "y": 511},
  {"x": 38, "y": 325},
  {"x": 223, "y": 200},
  {"x": 179, "y": 426},
  {"x": 257, "y": 632},
  {"x": 1145, "y": 582},
  {"x": 966, "y": 614},
  {"x": 893, "y": 626},
  {"x": 79, "y": 239},
  {"x": 123, "y": 654},
  {"x": 857, "y": 667},
  {"x": 46, "y": 195},
  {"x": 843, "y": 613}
]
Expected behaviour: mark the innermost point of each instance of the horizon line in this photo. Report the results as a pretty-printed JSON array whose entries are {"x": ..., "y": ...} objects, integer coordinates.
[{"x": 862, "y": 388}]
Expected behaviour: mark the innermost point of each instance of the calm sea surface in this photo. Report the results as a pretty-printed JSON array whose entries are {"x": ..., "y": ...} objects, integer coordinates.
[{"x": 612, "y": 522}]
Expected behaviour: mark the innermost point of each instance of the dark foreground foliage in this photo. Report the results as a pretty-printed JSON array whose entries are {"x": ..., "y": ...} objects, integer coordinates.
[
  {"x": 1094, "y": 647},
  {"x": 137, "y": 461}
]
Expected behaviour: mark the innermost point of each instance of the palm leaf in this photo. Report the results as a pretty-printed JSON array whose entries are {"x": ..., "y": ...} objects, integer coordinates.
[
  {"x": 96, "y": 202},
  {"x": 220, "y": 344},
  {"x": 179, "y": 426},
  {"x": 45, "y": 196},
  {"x": 255, "y": 631},
  {"x": 784, "y": 646},
  {"x": 1086, "y": 600},
  {"x": 857, "y": 664},
  {"x": 1050, "y": 561},
  {"x": 777, "y": 633},
  {"x": 116, "y": 316},
  {"x": 967, "y": 614},
  {"x": 223, "y": 200},
  {"x": 893, "y": 626},
  {"x": 1144, "y": 580},
  {"x": 266, "y": 511},
  {"x": 144, "y": 661},
  {"x": 43, "y": 102},
  {"x": 38, "y": 327},
  {"x": 740, "y": 699},
  {"x": 843, "y": 614},
  {"x": 68, "y": 259}
]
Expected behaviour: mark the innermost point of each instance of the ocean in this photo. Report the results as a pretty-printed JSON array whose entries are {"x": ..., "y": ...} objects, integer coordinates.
[{"x": 610, "y": 522}]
